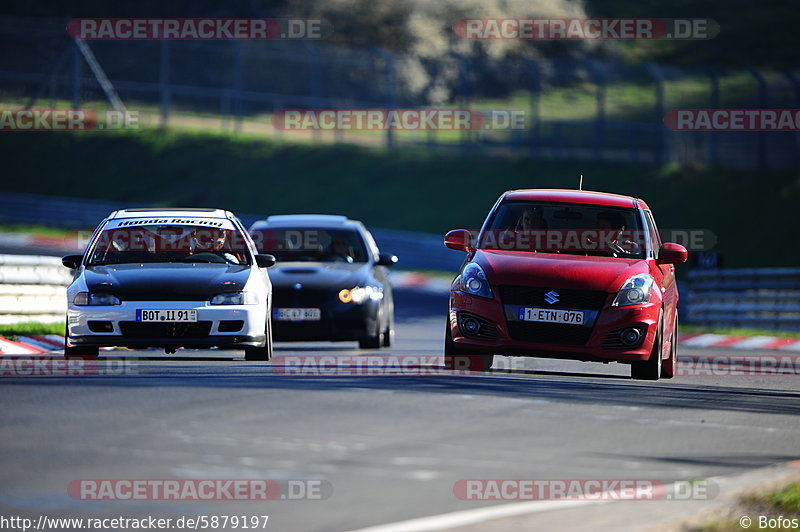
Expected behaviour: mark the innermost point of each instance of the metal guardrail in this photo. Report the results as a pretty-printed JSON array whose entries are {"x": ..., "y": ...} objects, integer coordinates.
[
  {"x": 32, "y": 288},
  {"x": 419, "y": 251},
  {"x": 762, "y": 298}
]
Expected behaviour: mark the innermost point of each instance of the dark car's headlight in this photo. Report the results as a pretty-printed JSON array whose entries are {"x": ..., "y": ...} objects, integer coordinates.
[
  {"x": 473, "y": 281},
  {"x": 635, "y": 291},
  {"x": 95, "y": 299},
  {"x": 235, "y": 298},
  {"x": 359, "y": 294}
]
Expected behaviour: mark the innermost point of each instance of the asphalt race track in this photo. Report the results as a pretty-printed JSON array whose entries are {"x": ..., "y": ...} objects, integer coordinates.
[{"x": 390, "y": 448}]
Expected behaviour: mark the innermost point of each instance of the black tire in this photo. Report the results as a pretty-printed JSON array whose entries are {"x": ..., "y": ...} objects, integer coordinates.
[
  {"x": 371, "y": 342},
  {"x": 650, "y": 369},
  {"x": 456, "y": 359},
  {"x": 81, "y": 352},
  {"x": 261, "y": 354},
  {"x": 376, "y": 341},
  {"x": 388, "y": 334},
  {"x": 78, "y": 351},
  {"x": 670, "y": 366}
]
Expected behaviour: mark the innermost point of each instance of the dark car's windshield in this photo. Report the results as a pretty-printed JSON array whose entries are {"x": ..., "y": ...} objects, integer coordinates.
[
  {"x": 311, "y": 244},
  {"x": 169, "y": 243},
  {"x": 548, "y": 227}
]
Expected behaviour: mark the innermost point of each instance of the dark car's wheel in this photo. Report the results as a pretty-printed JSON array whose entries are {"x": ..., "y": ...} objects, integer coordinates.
[
  {"x": 457, "y": 360},
  {"x": 388, "y": 334},
  {"x": 79, "y": 351},
  {"x": 670, "y": 367},
  {"x": 650, "y": 369},
  {"x": 376, "y": 341},
  {"x": 261, "y": 353},
  {"x": 371, "y": 342}
]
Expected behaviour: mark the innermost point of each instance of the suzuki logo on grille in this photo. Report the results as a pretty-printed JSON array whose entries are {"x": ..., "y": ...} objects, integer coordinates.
[{"x": 551, "y": 297}]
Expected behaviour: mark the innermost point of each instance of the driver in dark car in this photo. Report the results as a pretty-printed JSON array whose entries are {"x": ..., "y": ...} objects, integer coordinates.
[{"x": 340, "y": 248}]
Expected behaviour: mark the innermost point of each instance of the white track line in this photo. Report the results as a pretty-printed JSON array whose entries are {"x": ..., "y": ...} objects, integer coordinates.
[{"x": 478, "y": 515}]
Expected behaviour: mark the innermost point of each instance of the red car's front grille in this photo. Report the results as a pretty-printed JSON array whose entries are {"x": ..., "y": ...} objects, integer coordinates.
[
  {"x": 548, "y": 333},
  {"x": 534, "y": 296}
]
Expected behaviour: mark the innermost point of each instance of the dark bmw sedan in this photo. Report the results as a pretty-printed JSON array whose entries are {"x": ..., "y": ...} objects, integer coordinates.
[{"x": 330, "y": 283}]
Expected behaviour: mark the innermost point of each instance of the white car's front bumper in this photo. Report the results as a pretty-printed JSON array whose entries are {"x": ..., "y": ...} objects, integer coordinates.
[{"x": 216, "y": 325}]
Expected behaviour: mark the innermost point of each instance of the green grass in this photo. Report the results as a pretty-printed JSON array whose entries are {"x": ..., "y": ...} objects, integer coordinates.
[
  {"x": 784, "y": 502},
  {"x": 415, "y": 190},
  {"x": 28, "y": 328},
  {"x": 39, "y": 230}
]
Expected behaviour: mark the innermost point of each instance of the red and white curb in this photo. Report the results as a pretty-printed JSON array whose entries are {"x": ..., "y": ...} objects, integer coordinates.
[
  {"x": 31, "y": 345},
  {"x": 739, "y": 342},
  {"x": 420, "y": 281}
]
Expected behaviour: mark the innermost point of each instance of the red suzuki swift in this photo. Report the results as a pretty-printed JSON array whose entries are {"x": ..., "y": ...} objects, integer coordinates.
[{"x": 566, "y": 274}]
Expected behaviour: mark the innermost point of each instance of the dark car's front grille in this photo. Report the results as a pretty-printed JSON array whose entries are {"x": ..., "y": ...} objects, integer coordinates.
[
  {"x": 305, "y": 297},
  {"x": 548, "y": 333},
  {"x": 134, "y": 329},
  {"x": 534, "y": 296}
]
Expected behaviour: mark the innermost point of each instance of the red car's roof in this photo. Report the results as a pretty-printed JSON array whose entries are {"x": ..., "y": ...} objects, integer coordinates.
[{"x": 574, "y": 196}]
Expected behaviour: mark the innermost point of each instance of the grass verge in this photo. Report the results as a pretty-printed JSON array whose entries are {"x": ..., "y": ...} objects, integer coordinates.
[
  {"x": 28, "y": 328},
  {"x": 783, "y": 506}
]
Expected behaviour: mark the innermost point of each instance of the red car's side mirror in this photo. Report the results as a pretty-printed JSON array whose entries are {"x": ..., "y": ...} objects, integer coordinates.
[
  {"x": 459, "y": 239},
  {"x": 670, "y": 253}
]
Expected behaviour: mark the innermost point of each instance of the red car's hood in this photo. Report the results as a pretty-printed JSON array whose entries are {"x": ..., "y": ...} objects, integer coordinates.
[{"x": 554, "y": 270}]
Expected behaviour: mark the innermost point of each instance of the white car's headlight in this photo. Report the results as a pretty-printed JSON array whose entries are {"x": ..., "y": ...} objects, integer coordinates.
[
  {"x": 635, "y": 291},
  {"x": 359, "y": 294},
  {"x": 235, "y": 298},
  {"x": 473, "y": 281},
  {"x": 95, "y": 299}
]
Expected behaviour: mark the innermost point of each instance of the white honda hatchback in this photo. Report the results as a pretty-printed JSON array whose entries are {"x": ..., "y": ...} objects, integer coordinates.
[{"x": 177, "y": 278}]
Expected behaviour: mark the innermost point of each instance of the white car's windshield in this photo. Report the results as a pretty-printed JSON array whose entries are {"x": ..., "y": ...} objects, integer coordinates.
[{"x": 169, "y": 243}]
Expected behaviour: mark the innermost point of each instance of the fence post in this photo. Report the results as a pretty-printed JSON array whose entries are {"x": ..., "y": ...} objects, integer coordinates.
[
  {"x": 535, "y": 77},
  {"x": 391, "y": 77},
  {"x": 314, "y": 78},
  {"x": 598, "y": 71},
  {"x": 463, "y": 94},
  {"x": 714, "y": 103},
  {"x": 661, "y": 144},
  {"x": 762, "y": 104},
  {"x": 76, "y": 76},
  {"x": 164, "y": 71},
  {"x": 796, "y": 85},
  {"x": 238, "y": 75}
]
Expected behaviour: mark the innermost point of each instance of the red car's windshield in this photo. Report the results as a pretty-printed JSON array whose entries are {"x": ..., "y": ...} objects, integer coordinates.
[{"x": 548, "y": 227}]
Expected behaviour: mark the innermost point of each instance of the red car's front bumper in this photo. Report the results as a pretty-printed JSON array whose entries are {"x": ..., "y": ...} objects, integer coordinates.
[{"x": 600, "y": 345}]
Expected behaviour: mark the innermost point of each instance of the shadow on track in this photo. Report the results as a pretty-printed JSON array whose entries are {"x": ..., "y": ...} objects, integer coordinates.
[{"x": 533, "y": 385}]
